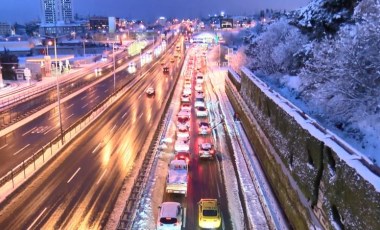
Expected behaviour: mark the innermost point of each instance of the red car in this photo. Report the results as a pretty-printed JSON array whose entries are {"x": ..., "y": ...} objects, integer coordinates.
[{"x": 183, "y": 156}]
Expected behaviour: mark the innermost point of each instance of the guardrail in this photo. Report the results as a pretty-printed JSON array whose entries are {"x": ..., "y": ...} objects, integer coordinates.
[{"x": 48, "y": 151}]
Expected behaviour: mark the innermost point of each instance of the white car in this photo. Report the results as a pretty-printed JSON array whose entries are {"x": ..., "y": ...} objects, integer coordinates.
[
  {"x": 185, "y": 106},
  {"x": 187, "y": 85},
  {"x": 187, "y": 91},
  {"x": 199, "y": 94},
  {"x": 199, "y": 102},
  {"x": 169, "y": 216},
  {"x": 204, "y": 128},
  {"x": 206, "y": 150},
  {"x": 150, "y": 91},
  {"x": 198, "y": 87},
  {"x": 183, "y": 132},
  {"x": 199, "y": 79},
  {"x": 201, "y": 111},
  {"x": 181, "y": 145},
  {"x": 185, "y": 98}
]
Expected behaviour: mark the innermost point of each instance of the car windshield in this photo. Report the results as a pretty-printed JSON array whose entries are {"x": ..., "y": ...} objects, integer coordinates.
[
  {"x": 168, "y": 220},
  {"x": 200, "y": 99},
  {"x": 208, "y": 212},
  {"x": 204, "y": 125},
  {"x": 205, "y": 148},
  {"x": 183, "y": 119},
  {"x": 201, "y": 108}
]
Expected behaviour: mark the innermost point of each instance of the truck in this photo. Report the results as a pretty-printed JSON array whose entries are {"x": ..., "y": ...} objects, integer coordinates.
[{"x": 176, "y": 181}]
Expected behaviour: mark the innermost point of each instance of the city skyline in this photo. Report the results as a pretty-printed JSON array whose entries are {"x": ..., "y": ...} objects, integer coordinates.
[{"x": 28, "y": 10}]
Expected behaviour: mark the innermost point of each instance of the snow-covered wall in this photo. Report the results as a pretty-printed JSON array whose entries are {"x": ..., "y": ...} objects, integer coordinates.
[{"x": 333, "y": 185}]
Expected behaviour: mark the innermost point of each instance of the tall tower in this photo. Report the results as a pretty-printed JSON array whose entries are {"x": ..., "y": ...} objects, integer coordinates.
[{"x": 54, "y": 11}]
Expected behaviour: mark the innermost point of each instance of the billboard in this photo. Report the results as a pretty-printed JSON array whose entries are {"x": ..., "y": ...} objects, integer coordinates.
[{"x": 226, "y": 23}]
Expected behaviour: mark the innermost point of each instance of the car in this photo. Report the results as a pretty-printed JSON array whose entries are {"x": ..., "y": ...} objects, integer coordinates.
[
  {"x": 166, "y": 70},
  {"x": 169, "y": 216},
  {"x": 204, "y": 128},
  {"x": 183, "y": 132},
  {"x": 172, "y": 60},
  {"x": 187, "y": 85},
  {"x": 185, "y": 98},
  {"x": 209, "y": 213},
  {"x": 183, "y": 156},
  {"x": 183, "y": 118},
  {"x": 198, "y": 87},
  {"x": 201, "y": 111},
  {"x": 206, "y": 150},
  {"x": 186, "y": 106},
  {"x": 199, "y": 79},
  {"x": 162, "y": 63},
  {"x": 150, "y": 91},
  {"x": 186, "y": 91},
  {"x": 199, "y": 94},
  {"x": 181, "y": 145},
  {"x": 199, "y": 102}
]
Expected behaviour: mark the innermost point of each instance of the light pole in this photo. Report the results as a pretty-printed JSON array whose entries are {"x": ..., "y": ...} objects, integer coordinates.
[
  {"x": 113, "y": 59},
  {"x": 84, "y": 48},
  {"x": 58, "y": 94}
]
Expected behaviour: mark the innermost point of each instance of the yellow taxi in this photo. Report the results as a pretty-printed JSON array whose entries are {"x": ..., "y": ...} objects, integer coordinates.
[{"x": 209, "y": 213}]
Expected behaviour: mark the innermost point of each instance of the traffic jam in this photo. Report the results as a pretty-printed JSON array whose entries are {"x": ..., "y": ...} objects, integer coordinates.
[{"x": 193, "y": 142}]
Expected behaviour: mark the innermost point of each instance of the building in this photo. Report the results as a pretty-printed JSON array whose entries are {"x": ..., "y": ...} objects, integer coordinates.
[
  {"x": 226, "y": 23},
  {"x": 5, "y": 29},
  {"x": 57, "y": 10},
  {"x": 99, "y": 24},
  {"x": 57, "y": 18}
]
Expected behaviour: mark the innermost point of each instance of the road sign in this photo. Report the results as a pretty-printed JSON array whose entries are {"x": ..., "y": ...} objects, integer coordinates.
[{"x": 27, "y": 73}]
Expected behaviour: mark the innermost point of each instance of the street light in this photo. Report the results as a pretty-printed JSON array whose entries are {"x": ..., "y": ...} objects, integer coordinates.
[
  {"x": 113, "y": 58},
  {"x": 84, "y": 47},
  {"x": 49, "y": 43},
  {"x": 57, "y": 82}
]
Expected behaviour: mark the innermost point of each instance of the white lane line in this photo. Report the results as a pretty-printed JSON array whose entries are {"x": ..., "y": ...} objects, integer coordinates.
[
  {"x": 83, "y": 97},
  {"x": 184, "y": 218},
  {"x": 140, "y": 115},
  {"x": 124, "y": 115},
  {"x": 217, "y": 188},
  {"x": 38, "y": 217},
  {"x": 30, "y": 130},
  {"x": 113, "y": 128},
  {"x": 73, "y": 175},
  {"x": 106, "y": 90},
  {"x": 96, "y": 148},
  {"x": 3, "y": 146},
  {"x": 26, "y": 146},
  {"x": 139, "y": 96},
  {"x": 84, "y": 106},
  {"x": 101, "y": 176},
  {"x": 96, "y": 97},
  {"x": 70, "y": 106},
  {"x": 48, "y": 130},
  {"x": 67, "y": 118}
]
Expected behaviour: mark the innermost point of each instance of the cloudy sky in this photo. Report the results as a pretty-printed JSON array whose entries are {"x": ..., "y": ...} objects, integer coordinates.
[{"x": 25, "y": 10}]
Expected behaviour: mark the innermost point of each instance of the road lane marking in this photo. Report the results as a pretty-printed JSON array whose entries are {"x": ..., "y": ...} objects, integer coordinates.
[
  {"x": 28, "y": 131},
  {"x": 26, "y": 146},
  {"x": 48, "y": 130},
  {"x": 70, "y": 106},
  {"x": 140, "y": 115},
  {"x": 106, "y": 90},
  {"x": 67, "y": 118},
  {"x": 184, "y": 218},
  {"x": 96, "y": 148},
  {"x": 113, "y": 128},
  {"x": 73, "y": 175},
  {"x": 83, "y": 97},
  {"x": 84, "y": 106},
  {"x": 101, "y": 176},
  {"x": 38, "y": 217},
  {"x": 217, "y": 188},
  {"x": 139, "y": 96},
  {"x": 124, "y": 115},
  {"x": 3, "y": 146},
  {"x": 96, "y": 97}
]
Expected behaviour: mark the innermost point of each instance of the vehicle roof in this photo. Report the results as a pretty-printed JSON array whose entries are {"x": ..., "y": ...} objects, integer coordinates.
[
  {"x": 169, "y": 209},
  {"x": 206, "y": 145},
  {"x": 209, "y": 203},
  {"x": 179, "y": 162},
  {"x": 182, "y": 113}
]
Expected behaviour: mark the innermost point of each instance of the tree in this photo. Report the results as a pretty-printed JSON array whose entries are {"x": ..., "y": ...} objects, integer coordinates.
[{"x": 9, "y": 63}]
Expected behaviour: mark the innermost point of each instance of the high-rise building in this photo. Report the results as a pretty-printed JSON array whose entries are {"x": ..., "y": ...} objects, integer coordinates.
[{"x": 55, "y": 11}]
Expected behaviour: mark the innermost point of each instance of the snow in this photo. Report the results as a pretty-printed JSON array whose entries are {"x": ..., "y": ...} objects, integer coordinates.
[{"x": 327, "y": 137}]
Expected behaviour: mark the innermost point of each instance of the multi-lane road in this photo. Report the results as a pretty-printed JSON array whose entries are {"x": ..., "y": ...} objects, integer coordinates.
[{"x": 78, "y": 189}]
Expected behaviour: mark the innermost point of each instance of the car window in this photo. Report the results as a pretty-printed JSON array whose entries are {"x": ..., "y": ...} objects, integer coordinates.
[
  {"x": 208, "y": 212},
  {"x": 168, "y": 220}
]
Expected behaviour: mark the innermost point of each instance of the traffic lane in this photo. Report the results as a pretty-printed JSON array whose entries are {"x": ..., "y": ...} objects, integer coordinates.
[{"x": 68, "y": 167}]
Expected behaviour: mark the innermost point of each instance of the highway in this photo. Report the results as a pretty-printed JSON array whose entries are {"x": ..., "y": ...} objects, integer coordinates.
[
  {"x": 20, "y": 144},
  {"x": 205, "y": 175},
  {"x": 78, "y": 189}
]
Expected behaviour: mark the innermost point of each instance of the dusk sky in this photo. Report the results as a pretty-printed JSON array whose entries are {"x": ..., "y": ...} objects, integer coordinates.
[{"x": 24, "y": 10}]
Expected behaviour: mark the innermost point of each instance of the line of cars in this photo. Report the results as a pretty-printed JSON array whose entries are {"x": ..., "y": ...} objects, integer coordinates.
[{"x": 170, "y": 215}]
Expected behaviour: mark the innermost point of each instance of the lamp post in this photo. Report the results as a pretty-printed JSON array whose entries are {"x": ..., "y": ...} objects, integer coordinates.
[
  {"x": 84, "y": 48},
  {"x": 58, "y": 94},
  {"x": 113, "y": 58}
]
